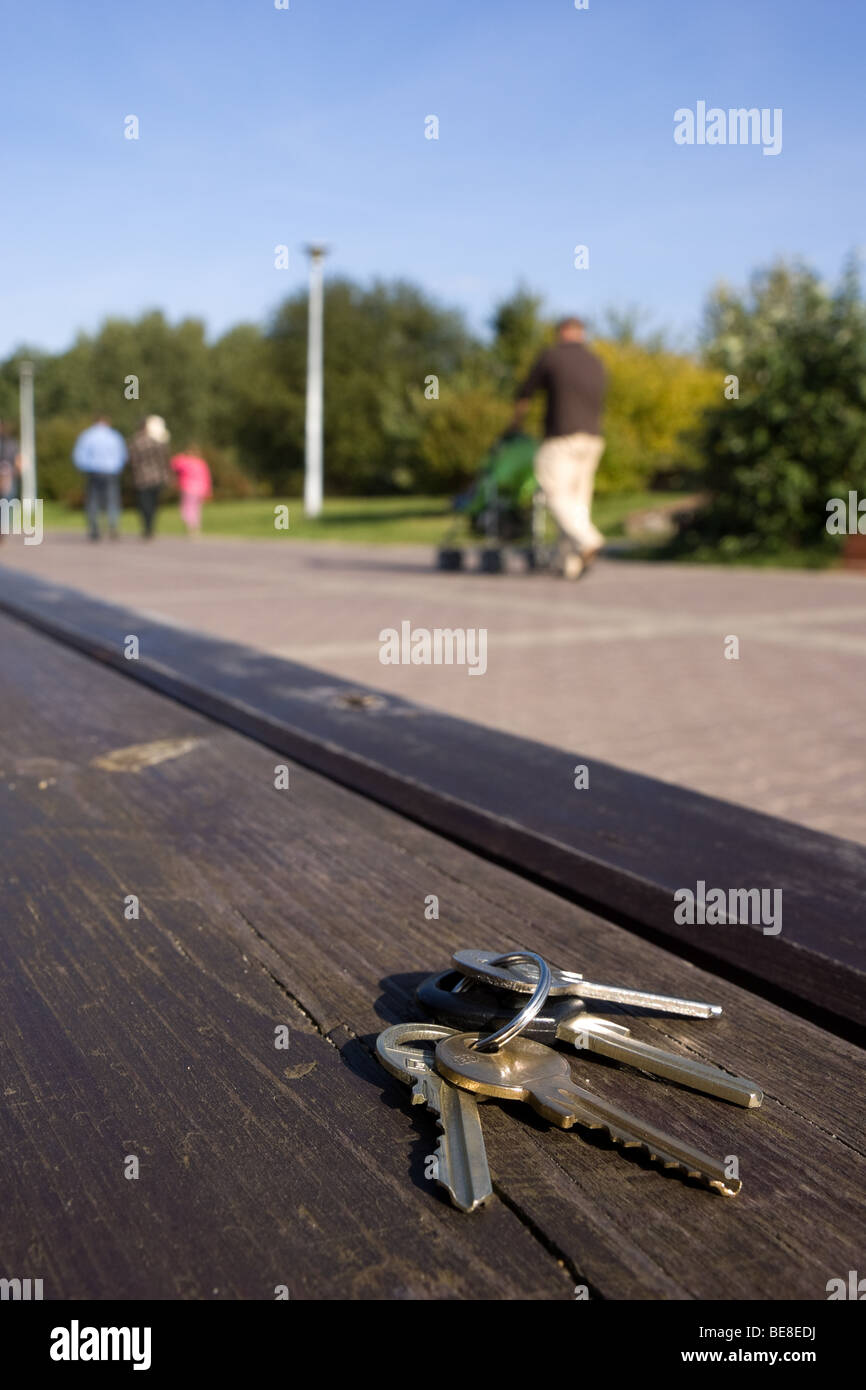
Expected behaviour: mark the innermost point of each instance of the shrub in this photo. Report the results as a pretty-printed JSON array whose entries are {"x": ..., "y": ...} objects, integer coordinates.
[
  {"x": 796, "y": 436},
  {"x": 58, "y": 480},
  {"x": 655, "y": 399},
  {"x": 457, "y": 432}
]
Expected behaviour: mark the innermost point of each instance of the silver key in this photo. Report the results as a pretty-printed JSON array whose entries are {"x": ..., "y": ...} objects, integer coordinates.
[
  {"x": 479, "y": 965},
  {"x": 530, "y": 1071},
  {"x": 407, "y": 1051},
  {"x": 609, "y": 1039}
]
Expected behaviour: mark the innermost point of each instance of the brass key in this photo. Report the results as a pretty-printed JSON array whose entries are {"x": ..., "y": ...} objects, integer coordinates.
[
  {"x": 614, "y": 1040},
  {"x": 406, "y": 1050},
  {"x": 530, "y": 1071}
]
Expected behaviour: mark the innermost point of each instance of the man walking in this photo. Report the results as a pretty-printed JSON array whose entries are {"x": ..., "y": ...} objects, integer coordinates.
[
  {"x": 151, "y": 470},
  {"x": 573, "y": 379},
  {"x": 100, "y": 453}
]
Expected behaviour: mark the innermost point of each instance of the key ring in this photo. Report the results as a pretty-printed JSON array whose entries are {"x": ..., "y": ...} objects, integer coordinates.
[{"x": 494, "y": 1041}]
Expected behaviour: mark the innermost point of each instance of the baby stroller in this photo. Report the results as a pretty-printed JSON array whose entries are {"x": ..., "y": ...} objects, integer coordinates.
[{"x": 504, "y": 508}]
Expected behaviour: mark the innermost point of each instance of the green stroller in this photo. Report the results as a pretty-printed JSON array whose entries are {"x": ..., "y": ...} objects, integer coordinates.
[{"x": 504, "y": 508}]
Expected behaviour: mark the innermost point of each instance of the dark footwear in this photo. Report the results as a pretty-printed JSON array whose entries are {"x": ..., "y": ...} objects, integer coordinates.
[{"x": 568, "y": 561}]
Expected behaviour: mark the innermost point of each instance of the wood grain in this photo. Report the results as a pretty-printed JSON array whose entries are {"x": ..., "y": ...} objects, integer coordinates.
[
  {"x": 623, "y": 850},
  {"x": 307, "y": 906}
]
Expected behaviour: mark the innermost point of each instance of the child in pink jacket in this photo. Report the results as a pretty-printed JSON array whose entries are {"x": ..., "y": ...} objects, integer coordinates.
[{"x": 194, "y": 483}]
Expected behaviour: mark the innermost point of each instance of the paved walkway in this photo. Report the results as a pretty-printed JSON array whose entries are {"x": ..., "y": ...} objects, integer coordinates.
[{"x": 628, "y": 665}]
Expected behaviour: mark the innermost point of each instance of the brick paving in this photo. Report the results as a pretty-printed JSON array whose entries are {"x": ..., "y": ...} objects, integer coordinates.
[{"x": 626, "y": 666}]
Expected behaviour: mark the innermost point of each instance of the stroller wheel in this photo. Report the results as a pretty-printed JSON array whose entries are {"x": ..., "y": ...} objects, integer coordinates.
[
  {"x": 449, "y": 558},
  {"x": 491, "y": 561}
]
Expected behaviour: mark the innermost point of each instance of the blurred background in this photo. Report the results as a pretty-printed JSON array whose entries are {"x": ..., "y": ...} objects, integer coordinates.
[
  {"x": 163, "y": 168},
  {"x": 259, "y": 128}
]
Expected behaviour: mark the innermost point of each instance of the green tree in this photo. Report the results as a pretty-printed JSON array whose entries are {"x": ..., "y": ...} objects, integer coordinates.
[
  {"x": 796, "y": 434},
  {"x": 388, "y": 426},
  {"x": 170, "y": 364},
  {"x": 381, "y": 345},
  {"x": 257, "y": 410},
  {"x": 458, "y": 431},
  {"x": 520, "y": 331},
  {"x": 654, "y": 402},
  {"x": 171, "y": 367}
]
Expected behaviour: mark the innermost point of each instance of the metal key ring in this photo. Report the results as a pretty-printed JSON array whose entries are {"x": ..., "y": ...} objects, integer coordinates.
[{"x": 494, "y": 1041}]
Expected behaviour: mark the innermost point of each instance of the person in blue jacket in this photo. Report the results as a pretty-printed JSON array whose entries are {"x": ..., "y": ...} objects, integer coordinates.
[{"x": 100, "y": 453}]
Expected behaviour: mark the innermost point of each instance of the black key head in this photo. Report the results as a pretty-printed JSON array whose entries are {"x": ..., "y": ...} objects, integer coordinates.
[{"x": 480, "y": 1009}]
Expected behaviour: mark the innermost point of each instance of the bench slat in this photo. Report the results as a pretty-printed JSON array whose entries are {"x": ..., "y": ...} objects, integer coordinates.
[
  {"x": 623, "y": 848},
  {"x": 307, "y": 906}
]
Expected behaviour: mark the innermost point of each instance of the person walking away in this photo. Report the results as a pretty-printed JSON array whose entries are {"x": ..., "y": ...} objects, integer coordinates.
[
  {"x": 150, "y": 467},
  {"x": 574, "y": 381},
  {"x": 100, "y": 453},
  {"x": 194, "y": 482},
  {"x": 10, "y": 465}
]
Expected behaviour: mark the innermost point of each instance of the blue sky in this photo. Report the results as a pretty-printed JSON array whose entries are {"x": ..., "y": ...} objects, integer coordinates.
[{"x": 261, "y": 127}]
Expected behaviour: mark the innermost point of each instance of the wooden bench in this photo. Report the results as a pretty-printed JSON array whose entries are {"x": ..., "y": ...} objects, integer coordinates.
[
  {"x": 153, "y": 1036},
  {"x": 622, "y": 849}
]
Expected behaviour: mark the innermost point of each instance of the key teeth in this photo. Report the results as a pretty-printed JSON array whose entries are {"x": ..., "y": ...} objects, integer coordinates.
[
  {"x": 425, "y": 1094},
  {"x": 727, "y": 1189},
  {"x": 443, "y": 1178},
  {"x": 443, "y": 1174}
]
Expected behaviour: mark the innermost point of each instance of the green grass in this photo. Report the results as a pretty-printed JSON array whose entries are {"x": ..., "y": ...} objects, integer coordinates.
[
  {"x": 610, "y": 511},
  {"x": 818, "y": 557},
  {"x": 422, "y": 521},
  {"x": 377, "y": 520}
]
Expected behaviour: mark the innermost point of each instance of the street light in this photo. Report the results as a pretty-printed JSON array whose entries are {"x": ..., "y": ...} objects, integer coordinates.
[
  {"x": 28, "y": 432},
  {"x": 315, "y": 386}
]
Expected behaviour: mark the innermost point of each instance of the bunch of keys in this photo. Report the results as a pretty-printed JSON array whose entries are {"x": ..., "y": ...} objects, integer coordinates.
[{"x": 456, "y": 1061}]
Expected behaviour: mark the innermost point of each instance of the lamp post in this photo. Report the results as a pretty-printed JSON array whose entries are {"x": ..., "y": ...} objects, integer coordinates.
[
  {"x": 28, "y": 432},
  {"x": 315, "y": 386}
]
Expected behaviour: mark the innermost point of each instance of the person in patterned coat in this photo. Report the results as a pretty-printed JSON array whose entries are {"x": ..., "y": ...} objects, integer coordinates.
[{"x": 151, "y": 470}]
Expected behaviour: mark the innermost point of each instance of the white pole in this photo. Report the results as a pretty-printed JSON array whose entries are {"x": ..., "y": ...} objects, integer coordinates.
[
  {"x": 315, "y": 387},
  {"x": 28, "y": 432}
]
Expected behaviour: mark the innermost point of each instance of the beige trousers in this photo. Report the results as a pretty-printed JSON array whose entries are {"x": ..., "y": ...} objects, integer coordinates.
[{"x": 565, "y": 468}]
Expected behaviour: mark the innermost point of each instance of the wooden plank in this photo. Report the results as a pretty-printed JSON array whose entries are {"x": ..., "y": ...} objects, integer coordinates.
[
  {"x": 309, "y": 905},
  {"x": 155, "y": 1038},
  {"x": 624, "y": 848}
]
